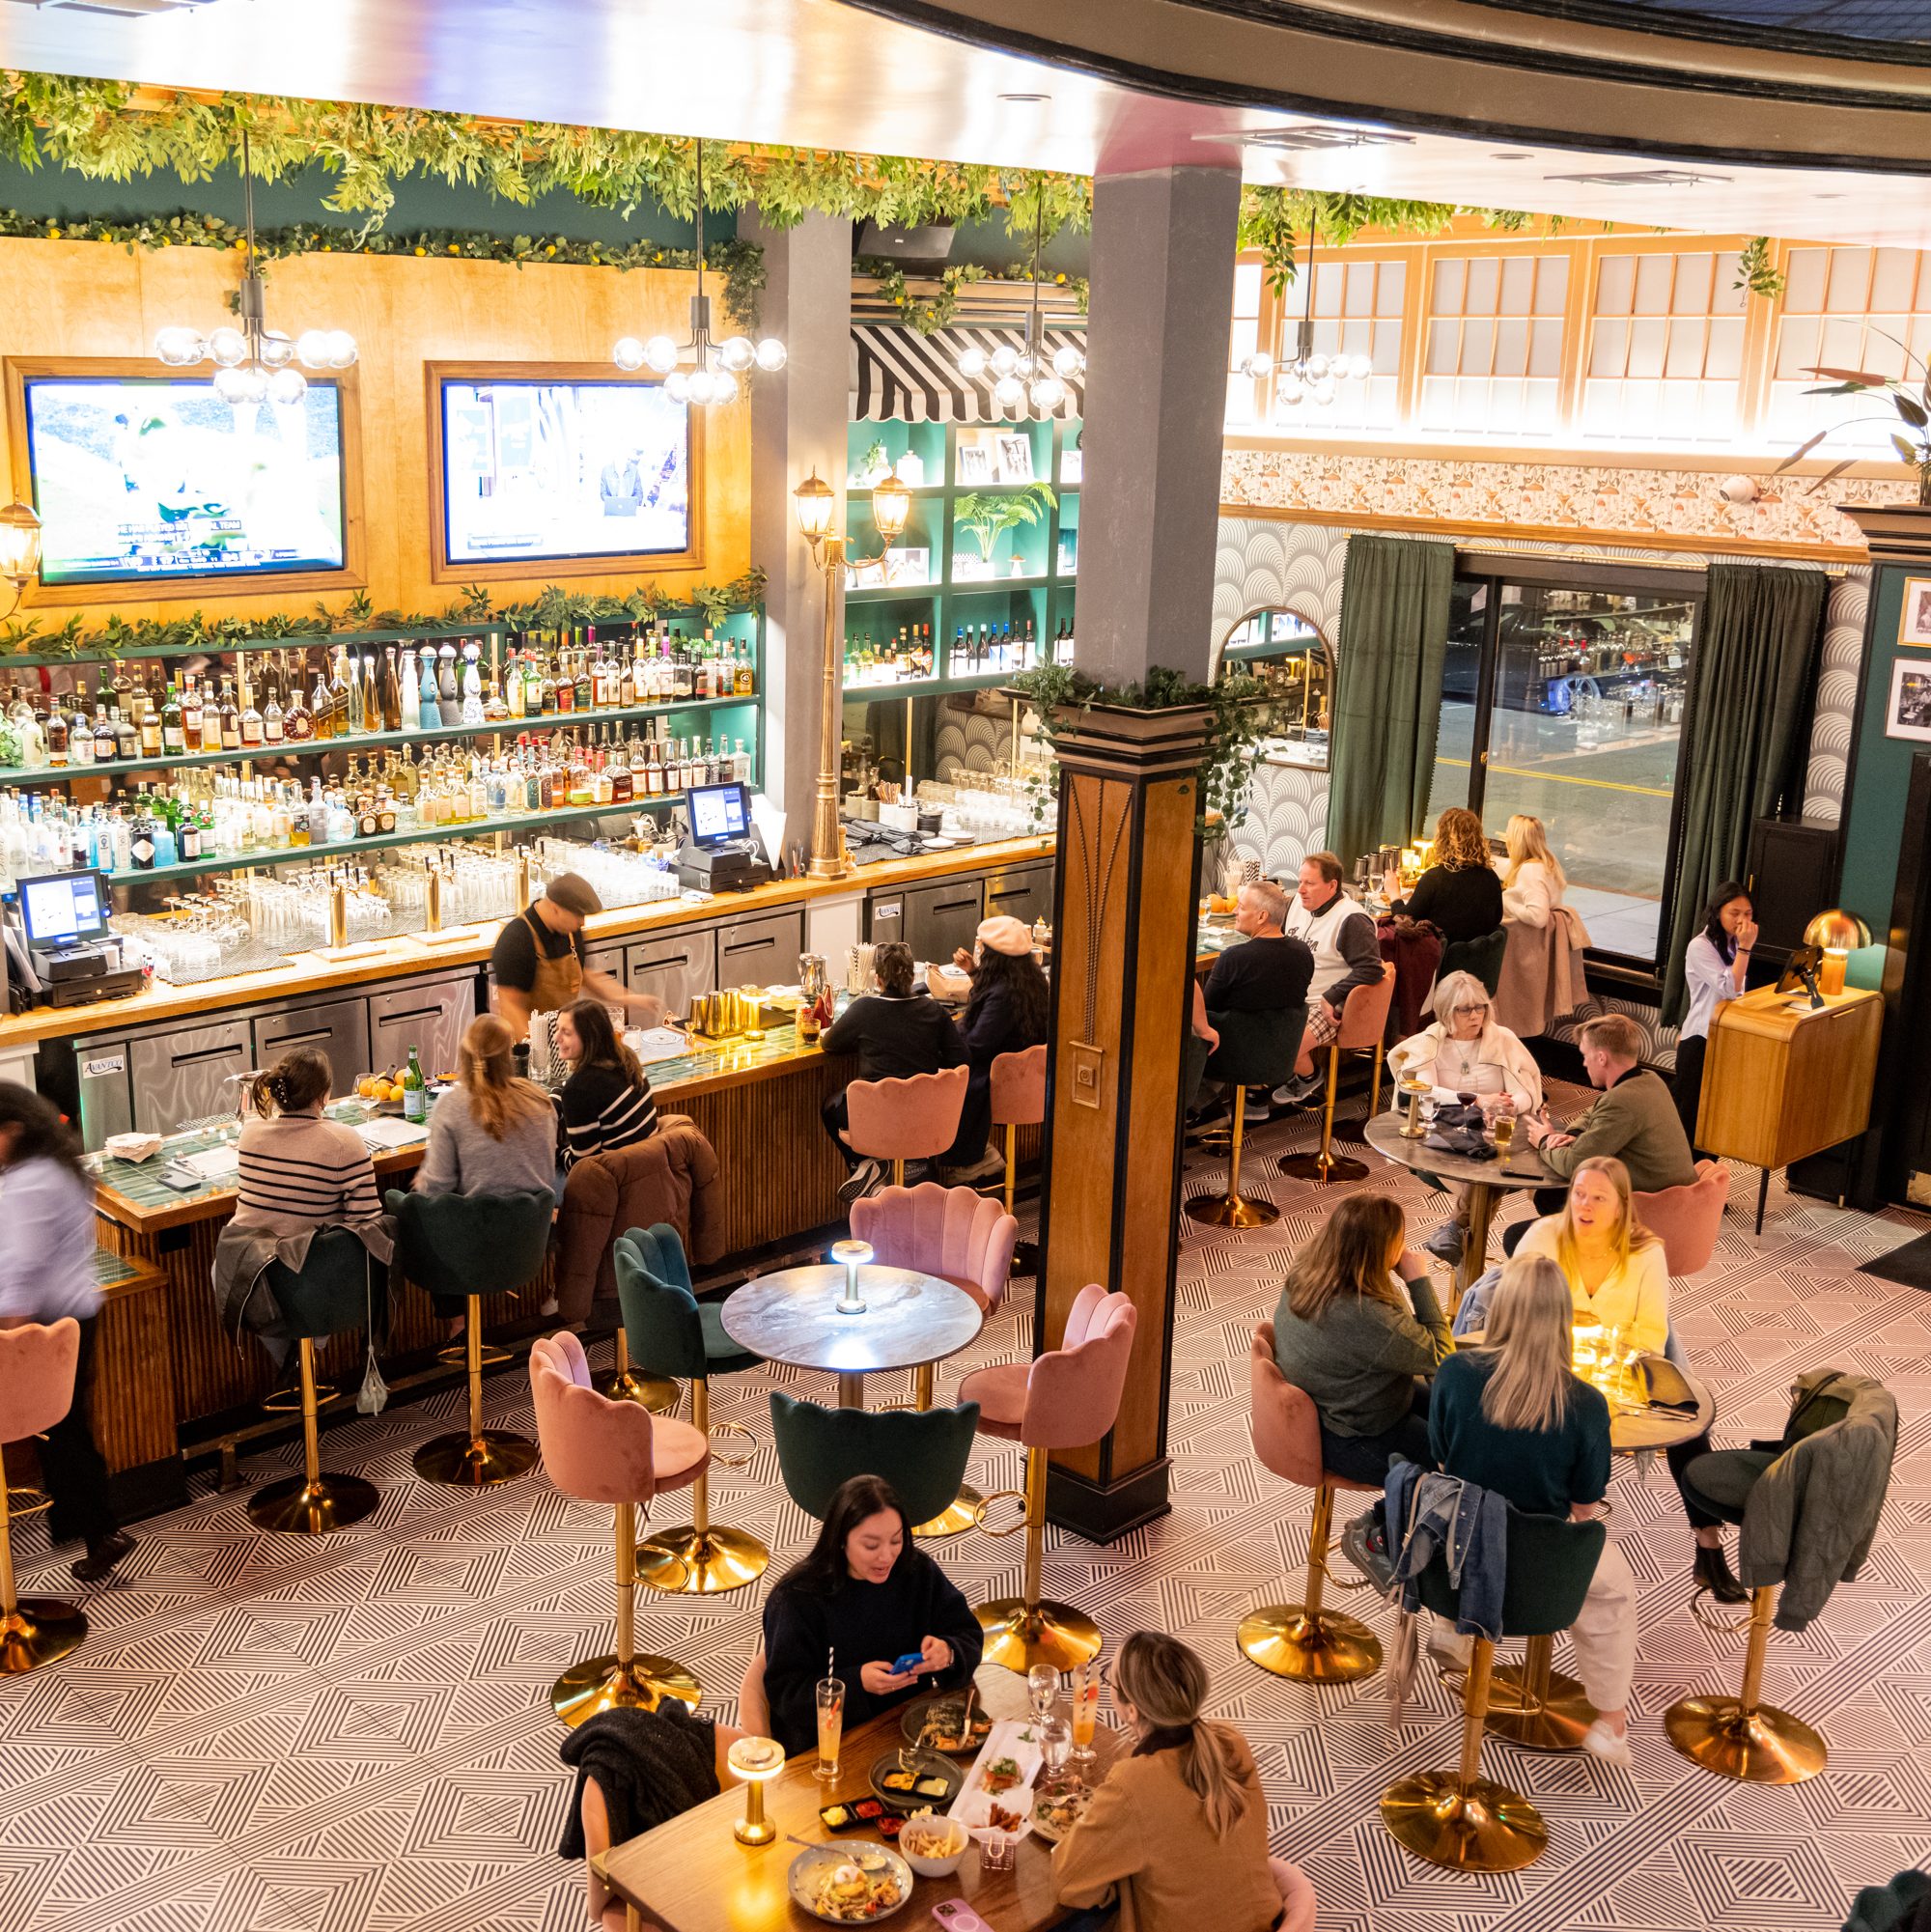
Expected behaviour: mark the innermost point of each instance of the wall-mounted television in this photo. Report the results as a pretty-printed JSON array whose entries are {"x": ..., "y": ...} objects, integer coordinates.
[
  {"x": 150, "y": 482},
  {"x": 558, "y": 468}
]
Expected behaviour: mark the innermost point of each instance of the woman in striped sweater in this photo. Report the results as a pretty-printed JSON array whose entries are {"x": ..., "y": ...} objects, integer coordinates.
[
  {"x": 300, "y": 1171},
  {"x": 606, "y": 1103}
]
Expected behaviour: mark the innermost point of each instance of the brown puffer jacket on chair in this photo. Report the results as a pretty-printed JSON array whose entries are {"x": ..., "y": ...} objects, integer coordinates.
[{"x": 670, "y": 1177}]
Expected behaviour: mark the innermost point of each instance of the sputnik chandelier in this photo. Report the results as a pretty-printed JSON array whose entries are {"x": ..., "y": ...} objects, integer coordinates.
[
  {"x": 1307, "y": 376},
  {"x": 700, "y": 370},
  {"x": 254, "y": 363},
  {"x": 1030, "y": 378}
]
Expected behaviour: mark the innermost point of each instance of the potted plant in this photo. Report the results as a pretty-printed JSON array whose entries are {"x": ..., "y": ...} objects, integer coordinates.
[
  {"x": 874, "y": 464},
  {"x": 987, "y": 514},
  {"x": 1910, "y": 415}
]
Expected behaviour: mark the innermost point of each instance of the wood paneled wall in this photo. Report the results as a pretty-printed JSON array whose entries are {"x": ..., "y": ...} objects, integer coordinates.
[{"x": 90, "y": 299}]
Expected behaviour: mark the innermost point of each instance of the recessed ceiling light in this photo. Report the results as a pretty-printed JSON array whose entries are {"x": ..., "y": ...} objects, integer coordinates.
[
  {"x": 1027, "y": 99},
  {"x": 1640, "y": 177},
  {"x": 1512, "y": 154},
  {"x": 1316, "y": 137}
]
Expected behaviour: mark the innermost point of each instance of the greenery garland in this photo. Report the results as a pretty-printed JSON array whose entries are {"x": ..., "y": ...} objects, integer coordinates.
[
  {"x": 929, "y": 314},
  {"x": 552, "y": 606}
]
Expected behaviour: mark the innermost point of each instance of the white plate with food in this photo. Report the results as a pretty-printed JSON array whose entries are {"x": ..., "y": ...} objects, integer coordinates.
[
  {"x": 999, "y": 1788},
  {"x": 851, "y": 1884},
  {"x": 1058, "y": 1806}
]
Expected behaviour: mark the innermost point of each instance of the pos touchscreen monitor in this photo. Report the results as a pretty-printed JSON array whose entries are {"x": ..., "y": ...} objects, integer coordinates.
[
  {"x": 65, "y": 908},
  {"x": 719, "y": 814}
]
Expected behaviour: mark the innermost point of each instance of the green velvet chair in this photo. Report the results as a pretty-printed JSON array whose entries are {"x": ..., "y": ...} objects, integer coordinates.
[
  {"x": 328, "y": 1296},
  {"x": 921, "y": 1453},
  {"x": 461, "y": 1247},
  {"x": 670, "y": 1332},
  {"x": 1481, "y": 956},
  {"x": 1256, "y": 1049},
  {"x": 1459, "y": 1818}
]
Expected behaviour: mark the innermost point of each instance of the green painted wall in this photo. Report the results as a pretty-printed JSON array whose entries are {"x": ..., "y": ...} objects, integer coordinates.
[{"x": 1874, "y": 826}]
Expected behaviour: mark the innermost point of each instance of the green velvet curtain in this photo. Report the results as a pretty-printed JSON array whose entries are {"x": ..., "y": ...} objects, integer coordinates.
[
  {"x": 1388, "y": 702},
  {"x": 1751, "y": 683}
]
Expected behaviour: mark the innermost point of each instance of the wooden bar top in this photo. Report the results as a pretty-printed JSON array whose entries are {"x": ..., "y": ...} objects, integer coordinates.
[{"x": 416, "y": 954}]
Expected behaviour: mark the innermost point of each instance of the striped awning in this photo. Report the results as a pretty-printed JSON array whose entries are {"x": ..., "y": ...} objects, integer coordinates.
[{"x": 912, "y": 378}]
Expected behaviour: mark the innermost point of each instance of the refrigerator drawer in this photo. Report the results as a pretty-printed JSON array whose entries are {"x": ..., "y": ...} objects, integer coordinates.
[
  {"x": 430, "y": 1015},
  {"x": 185, "y": 1076},
  {"x": 941, "y": 918},
  {"x": 339, "y": 1029},
  {"x": 1023, "y": 893},
  {"x": 677, "y": 971},
  {"x": 760, "y": 952}
]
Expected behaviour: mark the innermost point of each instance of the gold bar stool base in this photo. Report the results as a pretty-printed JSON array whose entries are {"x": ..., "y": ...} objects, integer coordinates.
[
  {"x": 1311, "y": 1167},
  {"x": 961, "y": 1514},
  {"x": 600, "y": 1684},
  {"x": 691, "y": 1562},
  {"x": 1488, "y": 1828},
  {"x": 297, "y": 1506},
  {"x": 1323, "y": 1649},
  {"x": 1764, "y": 1746},
  {"x": 1231, "y": 1210},
  {"x": 1564, "y": 1714},
  {"x": 476, "y": 1462},
  {"x": 37, "y": 1631},
  {"x": 1019, "y": 1634},
  {"x": 656, "y": 1392}
]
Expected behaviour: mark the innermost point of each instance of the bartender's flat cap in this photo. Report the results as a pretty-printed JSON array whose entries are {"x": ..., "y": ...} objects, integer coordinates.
[{"x": 574, "y": 893}]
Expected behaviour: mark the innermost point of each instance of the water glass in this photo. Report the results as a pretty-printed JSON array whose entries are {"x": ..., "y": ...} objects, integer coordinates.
[
  {"x": 1055, "y": 1744},
  {"x": 1043, "y": 1688}
]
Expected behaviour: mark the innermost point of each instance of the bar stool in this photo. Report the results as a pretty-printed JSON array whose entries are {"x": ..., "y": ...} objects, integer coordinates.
[
  {"x": 924, "y": 1451},
  {"x": 1686, "y": 1218},
  {"x": 672, "y": 1333},
  {"x": 1019, "y": 1100},
  {"x": 462, "y": 1248},
  {"x": 913, "y": 1119},
  {"x": 616, "y": 1453},
  {"x": 963, "y": 1237},
  {"x": 1459, "y": 1818},
  {"x": 329, "y": 1296},
  {"x": 1301, "y": 1641},
  {"x": 1065, "y": 1399},
  {"x": 1256, "y": 1049},
  {"x": 1363, "y": 1022},
  {"x": 37, "y": 1371}
]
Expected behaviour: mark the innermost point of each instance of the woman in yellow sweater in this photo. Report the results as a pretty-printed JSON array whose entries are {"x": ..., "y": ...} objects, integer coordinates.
[{"x": 1615, "y": 1268}]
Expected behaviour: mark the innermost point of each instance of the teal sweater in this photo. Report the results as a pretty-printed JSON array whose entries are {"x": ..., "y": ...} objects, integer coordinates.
[
  {"x": 1359, "y": 1360},
  {"x": 1541, "y": 1470}
]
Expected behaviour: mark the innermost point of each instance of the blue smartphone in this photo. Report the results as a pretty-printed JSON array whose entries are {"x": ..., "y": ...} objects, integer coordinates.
[{"x": 910, "y": 1664}]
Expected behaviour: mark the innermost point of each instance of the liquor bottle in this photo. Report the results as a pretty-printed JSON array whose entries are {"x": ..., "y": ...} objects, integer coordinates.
[
  {"x": 298, "y": 721},
  {"x": 427, "y": 705},
  {"x": 586, "y": 692},
  {"x": 190, "y": 711},
  {"x": 495, "y": 707},
  {"x": 231, "y": 718},
  {"x": 448, "y": 698},
  {"x": 253, "y": 735},
  {"x": 372, "y": 692},
  {"x": 472, "y": 685},
  {"x": 392, "y": 693},
  {"x": 338, "y": 697},
  {"x": 272, "y": 721},
  {"x": 141, "y": 847},
  {"x": 321, "y": 704},
  {"x": 355, "y": 713},
  {"x": 105, "y": 746},
  {"x": 408, "y": 692}
]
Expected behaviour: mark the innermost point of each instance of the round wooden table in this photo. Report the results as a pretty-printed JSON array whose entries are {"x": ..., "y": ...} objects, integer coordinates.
[
  {"x": 1485, "y": 1180},
  {"x": 911, "y": 1321}
]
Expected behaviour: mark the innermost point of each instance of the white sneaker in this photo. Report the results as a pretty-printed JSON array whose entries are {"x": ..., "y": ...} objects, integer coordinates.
[
  {"x": 1297, "y": 1092},
  {"x": 863, "y": 1179},
  {"x": 1611, "y": 1747}
]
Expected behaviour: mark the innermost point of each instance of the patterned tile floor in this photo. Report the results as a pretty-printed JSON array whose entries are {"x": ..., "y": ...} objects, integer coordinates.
[{"x": 350, "y": 1734}]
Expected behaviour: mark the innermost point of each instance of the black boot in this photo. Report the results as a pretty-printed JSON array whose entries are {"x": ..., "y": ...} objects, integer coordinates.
[
  {"x": 101, "y": 1557},
  {"x": 1714, "y": 1574}
]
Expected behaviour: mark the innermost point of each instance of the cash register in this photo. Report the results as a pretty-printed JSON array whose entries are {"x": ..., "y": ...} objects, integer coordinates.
[
  {"x": 723, "y": 852},
  {"x": 71, "y": 951}
]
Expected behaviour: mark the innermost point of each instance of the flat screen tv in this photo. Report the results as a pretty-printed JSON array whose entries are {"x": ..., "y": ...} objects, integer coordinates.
[
  {"x": 152, "y": 480},
  {"x": 541, "y": 470}
]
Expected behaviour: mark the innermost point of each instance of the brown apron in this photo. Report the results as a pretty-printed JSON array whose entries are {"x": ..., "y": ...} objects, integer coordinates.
[{"x": 558, "y": 981}]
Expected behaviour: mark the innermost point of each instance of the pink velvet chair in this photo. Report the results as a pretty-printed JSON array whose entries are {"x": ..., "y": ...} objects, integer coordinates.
[
  {"x": 1686, "y": 1218},
  {"x": 1302, "y": 1639},
  {"x": 1298, "y": 1903},
  {"x": 916, "y": 1119},
  {"x": 36, "y": 1366},
  {"x": 1364, "y": 1024},
  {"x": 1067, "y": 1398},
  {"x": 616, "y": 1453},
  {"x": 1019, "y": 1100}
]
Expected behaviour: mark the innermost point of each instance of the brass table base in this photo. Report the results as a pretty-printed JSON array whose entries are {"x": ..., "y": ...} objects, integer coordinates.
[
  {"x": 299, "y": 1507},
  {"x": 598, "y": 1683},
  {"x": 1020, "y": 1635},
  {"x": 690, "y": 1562},
  {"x": 1319, "y": 1649},
  {"x": 476, "y": 1462},
  {"x": 656, "y": 1392},
  {"x": 1311, "y": 1167},
  {"x": 1486, "y": 1827},
  {"x": 1231, "y": 1210},
  {"x": 1564, "y": 1714},
  {"x": 37, "y": 1631},
  {"x": 1763, "y": 1747},
  {"x": 961, "y": 1514}
]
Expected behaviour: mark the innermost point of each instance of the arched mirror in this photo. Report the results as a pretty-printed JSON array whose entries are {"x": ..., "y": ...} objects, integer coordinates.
[{"x": 1291, "y": 658}]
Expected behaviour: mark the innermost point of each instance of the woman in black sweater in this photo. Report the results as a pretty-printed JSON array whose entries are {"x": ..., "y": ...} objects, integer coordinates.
[
  {"x": 1460, "y": 893},
  {"x": 606, "y": 1102},
  {"x": 1005, "y": 1012},
  {"x": 864, "y": 1597}
]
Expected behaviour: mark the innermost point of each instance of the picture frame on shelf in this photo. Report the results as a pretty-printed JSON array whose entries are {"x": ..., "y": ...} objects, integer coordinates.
[
  {"x": 977, "y": 461},
  {"x": 1914, "y": 625},
  {"x": 867, "y": 576},
  {"x": 909, "y": 565},
  {"x": 1013, "y": 462},
  {"x": 1909, "y": 713}
]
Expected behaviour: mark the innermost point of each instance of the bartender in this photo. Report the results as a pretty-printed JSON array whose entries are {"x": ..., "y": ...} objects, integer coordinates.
[{"x": 538, "y": 963}]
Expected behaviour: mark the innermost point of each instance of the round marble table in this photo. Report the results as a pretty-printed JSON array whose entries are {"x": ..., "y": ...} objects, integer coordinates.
[
  {"x": 1485, "y": 1180},
  {"x": 911, "y": 1321}
]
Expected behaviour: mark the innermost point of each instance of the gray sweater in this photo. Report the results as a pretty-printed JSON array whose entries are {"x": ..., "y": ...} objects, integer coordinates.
[
  {"x": 462, "y": 1158},
  {"x": 1359, "y": 1360}
]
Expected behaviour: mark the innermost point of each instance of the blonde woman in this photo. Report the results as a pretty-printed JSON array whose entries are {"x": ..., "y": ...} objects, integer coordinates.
[
  {"x": 1176, "y": 1837},
  {"x": 1459, "y": 893},
  {"x": 1613, "y": 1266},
  {"x": 1510, "y": 1416},
  {"x": 1533, "y": 884},
  {"x": 491, "y": 1132}
]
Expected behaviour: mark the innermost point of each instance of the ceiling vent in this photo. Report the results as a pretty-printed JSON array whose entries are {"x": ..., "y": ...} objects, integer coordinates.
[
  {"x": 1639, "y": 178},
  {"x": 1317, "y": 139},
  {"x": 119, "y": 9}
]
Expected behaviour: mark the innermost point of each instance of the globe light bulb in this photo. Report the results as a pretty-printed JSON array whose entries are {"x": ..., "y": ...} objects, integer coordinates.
[
  {"x": 737, "y": 352},
  {"x": 699, "y": 386},
  {"x": 661, "y": 353},
  {"x": 1257, "y": 365},
  {"x": 1323, "y": 392},
  {"x": 1023, "y": 367},
  {"x": 1009, "y": 392},
  {"x": 312, "y": 346},
  {"x": 1005, "y": 361},
  {"x": 677, "y": 386},
  {"x": 1068, "y": 362},
  {"x": 1048, "y": 392},
  {"x": 771, "y": 354},
  {"x": 179, "y": 347},
  {"x": 1316, "y": 368},
  {"x": 245, "y": 383},
  {"x": 286, "y": 386},
  {"x": 971, "y": 362},
  {"x": 1291, "y": 390},
  {"x": 277, "y": 352},
  {"x": 228, "y": 346},
  {"x": 1361, "y": 368},
  {"x": 723, "y": 387},
  {"x": 341, "y": 348},
  {"x": 628, "y": 353}
]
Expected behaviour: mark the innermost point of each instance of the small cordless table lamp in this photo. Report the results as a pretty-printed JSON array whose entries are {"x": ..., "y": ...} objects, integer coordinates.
[
  {"x": 755, "y": 1760},
  {"x": 854, "y": 1254}
]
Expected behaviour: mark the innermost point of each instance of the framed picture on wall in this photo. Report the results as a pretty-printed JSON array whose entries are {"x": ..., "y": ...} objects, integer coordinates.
[
  {"x": 1915, "y": 626},
  {"x": 1910, "y": 712}
]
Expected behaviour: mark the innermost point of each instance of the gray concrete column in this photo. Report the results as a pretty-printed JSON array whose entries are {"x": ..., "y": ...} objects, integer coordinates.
[
  {"x": 1161, "y": 312},
  {"x": 798, "y": 422}
]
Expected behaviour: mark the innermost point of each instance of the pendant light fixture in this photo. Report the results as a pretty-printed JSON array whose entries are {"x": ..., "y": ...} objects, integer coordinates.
[
  {"x": 253, "y": 363},
  {"x": 1028, "y": 379},
  {"x": 1307, "y": 376},
  {"x": 700, "y": 370}
]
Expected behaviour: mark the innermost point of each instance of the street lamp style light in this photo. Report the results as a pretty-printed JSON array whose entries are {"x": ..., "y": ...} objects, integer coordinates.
[
  {"x": 19, "y": 549},
  {"x": 816, "y": 505}
]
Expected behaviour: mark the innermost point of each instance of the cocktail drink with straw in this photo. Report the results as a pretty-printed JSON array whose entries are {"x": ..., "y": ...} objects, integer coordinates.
[{"x": 1085, "y": 1711}]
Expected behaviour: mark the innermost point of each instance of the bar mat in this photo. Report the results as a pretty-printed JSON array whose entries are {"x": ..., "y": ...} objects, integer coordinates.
[{"x": 1910, "y": 1266}]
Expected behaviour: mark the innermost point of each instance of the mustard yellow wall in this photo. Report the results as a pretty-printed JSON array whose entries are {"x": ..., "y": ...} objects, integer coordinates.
[{"x": 84, "y": 299}]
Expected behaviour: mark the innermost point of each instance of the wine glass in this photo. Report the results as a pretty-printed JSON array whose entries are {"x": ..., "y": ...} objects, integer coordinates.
[{"x": 1043, "y": 1689}]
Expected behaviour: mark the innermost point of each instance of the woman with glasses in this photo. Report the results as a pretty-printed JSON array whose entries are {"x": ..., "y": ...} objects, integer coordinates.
[{"x": 1466, "y": 1051}]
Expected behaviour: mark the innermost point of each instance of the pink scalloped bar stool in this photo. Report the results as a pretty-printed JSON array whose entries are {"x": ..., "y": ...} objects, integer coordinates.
[
  {"x": 37, "y": 1366},
  {"x": 1300, "y": 1639},
  {"x": 1065, "y": 1399},
  {"x": 1363, "y": 1022},
  {"x": 616, "y": 1453},
  {"x": 1686, "y": 1218},
  {"x": 915, "y": 1119},
  {"x": 963, "y": 1237},
  {"x": 1019, "y": 1100}
]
